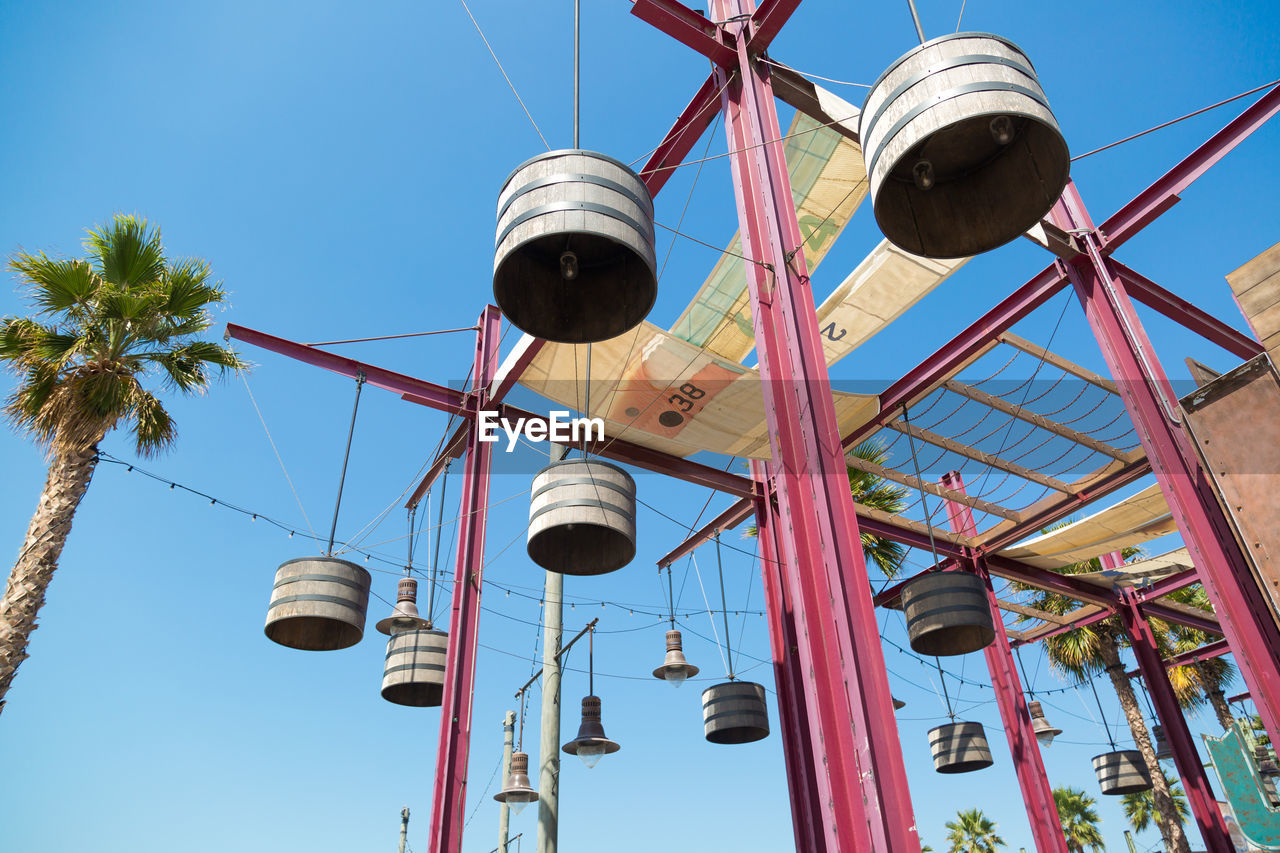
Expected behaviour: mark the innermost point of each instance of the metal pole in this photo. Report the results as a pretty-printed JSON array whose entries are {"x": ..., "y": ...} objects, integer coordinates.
[
  {"x": 1204, "y": 806},
  {"x": 577, "y": 17},
  {"x": 549, "y": 742},
  {"x": 404, "y": 828},
  {"x": 842, "y": 663},
  {"x": 1037, "y": 793},
  {"x": 1149, "y": 399},
  {"x": 808, "y": 787},
  {"x": 346, "y": 456},
  {"x": 449, "y": 797},
  {"x": 504, "y": 811},
  {"x": 915, "y": 17}
]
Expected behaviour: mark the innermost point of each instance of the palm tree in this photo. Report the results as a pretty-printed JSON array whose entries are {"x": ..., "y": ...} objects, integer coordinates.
[
  {"x": 872, "y": 491},
  {"x": 1205, "y": 680},
  {"x": 972, "y": 832},
  {"x": 1079, "y": 820},
  {"x": 101, "y": 326},
  {"x": 1090, "y": 650},
  {"x": 1139, "y": 807}
]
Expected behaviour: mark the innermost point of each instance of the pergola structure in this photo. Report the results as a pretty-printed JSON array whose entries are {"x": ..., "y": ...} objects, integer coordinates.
[{"x": 844, "y": 763}]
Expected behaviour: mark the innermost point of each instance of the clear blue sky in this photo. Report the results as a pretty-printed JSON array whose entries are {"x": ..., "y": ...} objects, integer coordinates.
[{"x": 338, "y": 166}]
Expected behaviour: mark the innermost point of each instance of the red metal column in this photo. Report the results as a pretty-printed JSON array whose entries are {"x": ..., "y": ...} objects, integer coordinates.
[
  {"x": 1195, "y": 781},
  {"x": 449, "y": 798},
  {"x": 1037, "y": 794},
  {"x": 1149, "y": 398},
  {"x": 843, "y": 672},
  {"x": 808, "y": 787}
]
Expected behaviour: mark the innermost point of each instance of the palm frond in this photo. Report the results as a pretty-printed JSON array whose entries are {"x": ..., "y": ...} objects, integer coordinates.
[
  {"x": 153, "y": 429},
  {"x": 57, "y": 286},
  {"x": 126, "y": 252}
]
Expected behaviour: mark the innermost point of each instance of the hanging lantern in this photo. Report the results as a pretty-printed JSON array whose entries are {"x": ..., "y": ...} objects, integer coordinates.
[
  {"x": 675, "y": 669},
  {"x": 1044, "y": 731},
  {"x": 959, "y": 748},
  {"x": 318, "y": 604},
  {"x": 947, "y": 613},
  {"x": 735, "y": 712},
  {"x": 1122, "y": 772},
  {"x": 582, "y": 517},
  {"x": 591, "y": 744},
  {"x": 404, "y": 616},
  {"x": 963, "y": 153},
  {"x": 516, "y": 791},
  {"x": 414, "y": 671},
  {"x": 1163, "y": 750},
  {"x": 574, "y": 256},
  {"x": 1266, "y": 764}
]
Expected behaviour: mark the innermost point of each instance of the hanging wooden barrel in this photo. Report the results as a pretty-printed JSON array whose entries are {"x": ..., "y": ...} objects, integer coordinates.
[
  {"x": 959, "y": 748},
  {"x": 318, "y": 604},
  {"x": 735, "y": 712},
  {"x": 962, "y": 150},
  {"x": 414, "y": 671},
  {"x": 947, "y": 613},
  {"x": 1122, "y": 772},
  {"x": 582, "y": 517},
  {"x": 574, "y": 259}
]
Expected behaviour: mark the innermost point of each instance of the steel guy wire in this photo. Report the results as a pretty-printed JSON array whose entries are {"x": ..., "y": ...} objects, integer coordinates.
[
  {"x": 244, "y": 377},
  {"x": 504, "y": 74}
]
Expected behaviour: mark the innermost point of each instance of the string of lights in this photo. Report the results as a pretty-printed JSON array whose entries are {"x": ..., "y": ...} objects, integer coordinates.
[{"x": 659, "y": 614}]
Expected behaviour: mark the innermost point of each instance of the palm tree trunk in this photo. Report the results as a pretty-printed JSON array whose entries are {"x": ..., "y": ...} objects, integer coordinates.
[
  {"x": 1216, "y": 697},
  {"x": 1175, "y": 840},
  {"x": 69, "y": 475}
]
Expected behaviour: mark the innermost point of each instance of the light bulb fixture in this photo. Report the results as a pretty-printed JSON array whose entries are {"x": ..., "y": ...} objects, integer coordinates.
[
  {"x": 568, "y": 266},
  {"x": 675, "y": 669},
  {"x": 404, "y": 616},
  {"x": 591, "y": 744},
  {"x": 1002, "y": 130},
  {"x": 1163, "y": 750},
  {"x": 922, "y": 174},
  {"x": 516, "y": 791},
  {"x": 1043, "y": 729}
]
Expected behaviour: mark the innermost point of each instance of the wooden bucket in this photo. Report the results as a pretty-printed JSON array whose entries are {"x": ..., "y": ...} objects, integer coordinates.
[
  {"x": 947, "y": 613},
  {"x": 582, "y": 518},
  {"x": 414, "y": 671},
  {"x": 1122, "y": 772},
  {"x": 318, "y": 604},
  {"x": 735, "y": 712},
  {"x": 600, "y": 213},
  {"x": 962, "y": 150},
  {"x": 959, "y": 748}
]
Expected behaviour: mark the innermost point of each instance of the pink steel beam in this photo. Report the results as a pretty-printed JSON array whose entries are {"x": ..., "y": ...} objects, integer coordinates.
[
  {"x": 1195, "y": 781},
  {"x": 1067, "y": 505},
  {"x": 682, "y": 136},
  {"x": 449, "y": 798},
  {"x": 1181, "y": 311},
  {"x": 727, "y": 520},
  {"x": 1163, "y": 194},
  {"x": 453, "y": 449},
  {"x": 1205, "y": 652},
  {"x": 798, "y": 719},
  {"x": 1037, "y": 794},
  {"x": 428, "y": 393},
  {"x": 768, "y": 18},
  {"x": 689, "y": 28},
  {"x": 1147, "y": 395},
  {"x": 969, "y": 343},
  {"x": 844, "y": 676}
]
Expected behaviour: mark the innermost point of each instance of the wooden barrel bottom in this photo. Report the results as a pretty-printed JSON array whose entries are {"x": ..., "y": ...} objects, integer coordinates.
[{"x": 735, "y": 712}]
